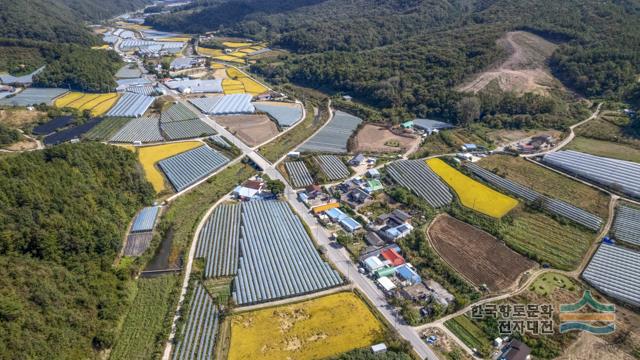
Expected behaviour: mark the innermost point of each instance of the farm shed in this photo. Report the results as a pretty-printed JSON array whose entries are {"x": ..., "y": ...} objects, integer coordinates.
[
  {"x": 385, "y": 271},
  {"x": 373, "y": 239},
  {"x": 182, "y": 63},
  {"x": 349, "y": 224},
  {"x": 334, "y": 136},
  {"x": 195, "y": 86},
  {"x": 430, "y": 126},
  {"x": 393, "y": 257},
  {"x": 131, "y": 105},
  {"x": 373, "y": 263},
  {"x": 386, "y": 283},
  {"x": 623, "y": 176},
  {"x": 286, "y": 114},
  {"x": 335, "y": 214},
  {"x": 416, "y": 176},
  {"x": 199, "y": 336},
  {"x": 626, "y": 226},
  {"x": 615, "y": 271},
  {"x": 33, "y": 96},
  {"x": 379, "y": 348},
  {"x": 373, "y": 173},
  {"x": 271, "y": 227},
  {"x": 146, "y": 219},
  {"x": 409, "y": 274},
  {"x": 356, "y": 160},
  {"x": 373, "y": 186},
  {"x": 184, "y": 170},
  {"x": 398, "y": 232},
  {"x": 322, "y": 208}
]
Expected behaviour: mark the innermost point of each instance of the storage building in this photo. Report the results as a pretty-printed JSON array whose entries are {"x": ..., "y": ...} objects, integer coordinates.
[
  {"x": 373, "y": 263},
  {"x": 386, "y": 284},
  {"x": 393, "y": 257},
  {"x": 350, "y": 225},
  {"x": 407, "y": 273}
]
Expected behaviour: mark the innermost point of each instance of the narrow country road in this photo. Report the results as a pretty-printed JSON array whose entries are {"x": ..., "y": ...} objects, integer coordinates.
[{"x": 570, "y": 137}]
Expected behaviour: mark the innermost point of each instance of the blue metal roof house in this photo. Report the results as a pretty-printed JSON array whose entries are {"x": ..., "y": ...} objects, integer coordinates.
[
  {"x": 350, "y": 225},
  {"x": 407, "y": 273},
  {"x": 356, "y": 160},
  {"x": 335, "y": 214}
]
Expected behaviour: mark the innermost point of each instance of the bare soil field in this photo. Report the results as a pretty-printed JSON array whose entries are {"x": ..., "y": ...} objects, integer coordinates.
[
  {"x": 505, "y": 137},
  {"x": 376, "y": 139},
  {"x": 220, "y": 74},
  {"x": 23, "y": 145},
  {"x": 477, "y": 255},
  {"x": 251, "y": 129},
  {"x": 20, "y": 118},
  {"x": 525, "y": 70}
]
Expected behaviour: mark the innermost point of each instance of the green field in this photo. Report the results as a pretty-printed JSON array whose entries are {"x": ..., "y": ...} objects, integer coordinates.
[
  {"x": 608, "y": 149},
  {"x": 287, "y": 142},
  {"x": 542, "y": 238},
  {"x": 148, "y": 319},
  {"x": 548, "y": 182},
  {"x": 469, "y": 333},
  {"x": 106, "y": 129},
  {"x": 547, "y": 283}
]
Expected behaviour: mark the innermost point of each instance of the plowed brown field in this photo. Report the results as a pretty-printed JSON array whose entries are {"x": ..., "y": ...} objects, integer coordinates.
[{"x": 477, "y": 255}]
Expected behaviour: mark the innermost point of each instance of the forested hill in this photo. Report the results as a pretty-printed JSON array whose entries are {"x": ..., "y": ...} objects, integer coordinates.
[
  {"x": 406, "y": 56},
  {"x": 34, "y": 33},
  {"x": 58, "y": 20},
  {"x": 63, "y": 214}
]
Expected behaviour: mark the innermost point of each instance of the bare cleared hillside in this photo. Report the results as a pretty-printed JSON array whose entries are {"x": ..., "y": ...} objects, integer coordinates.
[{"x": 525, "y": 70}]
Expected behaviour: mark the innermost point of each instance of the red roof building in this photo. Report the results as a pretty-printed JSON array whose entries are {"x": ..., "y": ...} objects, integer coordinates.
[{"x": 393, "y": 257}]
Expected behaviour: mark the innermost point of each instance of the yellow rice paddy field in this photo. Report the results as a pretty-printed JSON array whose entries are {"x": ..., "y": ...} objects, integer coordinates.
[
  {"x": 230, "y": 86},
  {"x": 313, "y": 329},
  {"x": 97, "y": 103},
  {"x": 209, "y": 52},
  {"x": 471, "y": 193},
  {"x": 175, "y": 39},
  {"x": 150, "y": 155},
  {"x": 250, "y": 85},
  {"x": 233, "y": 44}
]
